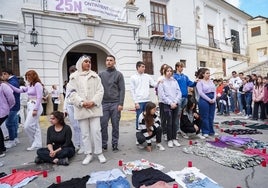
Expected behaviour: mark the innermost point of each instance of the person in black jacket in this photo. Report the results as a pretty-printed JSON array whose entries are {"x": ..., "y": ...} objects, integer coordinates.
[{"x": 190, "y": 119}]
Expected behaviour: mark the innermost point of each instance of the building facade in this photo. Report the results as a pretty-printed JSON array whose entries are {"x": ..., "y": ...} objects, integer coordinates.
[{"x": 49, "y": 36}]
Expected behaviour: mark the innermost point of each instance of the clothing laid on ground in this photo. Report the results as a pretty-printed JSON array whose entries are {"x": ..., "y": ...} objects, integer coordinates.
[
  {"x": 149, "y": 176},
  {"x": 242, "y": 131},
  {"x": 73, "y": 183},
  {"x": 191, "y": 177},
  {"x": 18, "y": 179},
  {"x": 224, "y": 156},
  {"x": 119, "y": 182},
  {"x": 137, "y": 165},
  {"x": 107, "y": 175}
]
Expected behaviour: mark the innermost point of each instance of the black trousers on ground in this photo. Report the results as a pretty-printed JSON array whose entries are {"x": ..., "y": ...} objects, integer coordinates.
[{"x": 43, "y": 154}]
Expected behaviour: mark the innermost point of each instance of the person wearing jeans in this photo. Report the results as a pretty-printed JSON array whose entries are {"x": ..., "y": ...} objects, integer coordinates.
[
  {"x": 248, "y": 88},
  {"x": 206, "y": 104}
]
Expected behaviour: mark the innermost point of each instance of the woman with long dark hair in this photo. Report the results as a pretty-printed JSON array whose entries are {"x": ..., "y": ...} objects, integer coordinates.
[
  {"x": 149, "y": 127},
  {"x": 59, "y": 142}
]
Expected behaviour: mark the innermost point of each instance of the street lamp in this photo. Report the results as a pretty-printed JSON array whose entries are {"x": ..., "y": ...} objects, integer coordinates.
[
  {"x": 139, "y": 45},
  {"x": 33, "y": 35}
]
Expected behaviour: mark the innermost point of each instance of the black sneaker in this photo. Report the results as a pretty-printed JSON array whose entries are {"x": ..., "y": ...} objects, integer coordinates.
[
  {"x": 37, "y": 160},
  {"x": 115, "y": 148},
  {"x": 64, "y": 161},
  {"x": 104, "y": 148}
]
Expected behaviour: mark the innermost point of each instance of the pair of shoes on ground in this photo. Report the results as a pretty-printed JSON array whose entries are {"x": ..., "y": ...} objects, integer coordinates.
[
  {"x": 115, "y": 148},
  {"x": 171, "y": 143},
  {"x": 89, "y": 158}
]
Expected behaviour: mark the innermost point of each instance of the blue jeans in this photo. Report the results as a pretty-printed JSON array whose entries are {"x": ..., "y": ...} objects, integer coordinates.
[
  {"x": 207, "y": 113},
  {"x": 117, "y": 183},
  {"x": 248, "y": 98},
  {"x": 12, "y": 122},
  {"x": 139, "y": 111},
  {"x": 240, "y": 102}
]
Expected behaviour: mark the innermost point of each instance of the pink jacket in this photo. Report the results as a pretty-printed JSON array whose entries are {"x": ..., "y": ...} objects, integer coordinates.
[
  {"x": 258, "y": 94},
  {"x": 265, "y": 97}
]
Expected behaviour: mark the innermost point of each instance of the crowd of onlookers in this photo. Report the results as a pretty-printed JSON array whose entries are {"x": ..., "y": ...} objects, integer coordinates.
[
  {"x": 91, "y": 100},
  {"x": 243, "y": 95}
]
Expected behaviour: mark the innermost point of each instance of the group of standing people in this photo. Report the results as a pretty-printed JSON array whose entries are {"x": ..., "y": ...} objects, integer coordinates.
[
  {"x": 177, "y": 110},
  {"x": 244, "y": 95}
]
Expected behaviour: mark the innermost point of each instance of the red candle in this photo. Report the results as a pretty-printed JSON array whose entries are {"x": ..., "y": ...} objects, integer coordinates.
[
  {"x": 44, "y": 173},
  {"x": 14, "y": 170},
  {"x": 263, "y": 163},
  {"x": 58, "y": 179},
  {"x": 190, "y": 164},
  {"x": 120, "y": 163},
  {"x": 190, "y": 142},
  {"x": 264, "y": 150},
  {"x": 175, "y": 185}
]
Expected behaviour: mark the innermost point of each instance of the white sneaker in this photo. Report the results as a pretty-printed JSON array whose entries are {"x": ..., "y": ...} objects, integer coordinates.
[
  {"x": 205, "y": 135},
  {"x": 80, "y": 151},
  {"x": 153, "y": 139},
  {"x": 160, "y": 147},
  {"x": 10, "y": 144},
  {"x": 170, "y": 144},
  {"x": 101, "y": 158},
  {"x": 216, "y": 134},
  {"x": 247, "y": 117},
  {"x": 184, "y": 135},
  {"x": 176, "y": 143},
  {"x": 17, "y": 141},
  {"x": 32, "y": 148},
  {"x": 88, "y": 159},
  {"x": 140, "y": 146},
  {"x": 200, "y": 136}
]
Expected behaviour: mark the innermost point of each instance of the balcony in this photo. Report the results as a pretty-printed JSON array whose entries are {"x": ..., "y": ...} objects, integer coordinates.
[
  {"x": 213, "y": 43},
  {"x": 165, "y": 36}
]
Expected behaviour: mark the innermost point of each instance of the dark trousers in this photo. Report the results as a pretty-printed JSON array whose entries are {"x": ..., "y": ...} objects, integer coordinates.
[
  {"x": 163, "y": 118},
  {"x": 190, "y": 127},
  {"x": 248, "y": 98},
  {"x": 207, "y": 113},
  {"x": 139, "y": 111},
  {"x": 172, "y": 119},
  {"x": 55, "y": 106},
  {"x": 157, "y": 133},
  {"x": 43, "y": 154},
  {"x": 110, "y": 111},
  {"x": 2, "y": 144},
  {"x": 256, "y": 107},
  {"x": 44, "y": 113}
]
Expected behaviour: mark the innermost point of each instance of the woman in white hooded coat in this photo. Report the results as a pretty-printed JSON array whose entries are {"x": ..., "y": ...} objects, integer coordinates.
[{"x": 86, "y": 93}]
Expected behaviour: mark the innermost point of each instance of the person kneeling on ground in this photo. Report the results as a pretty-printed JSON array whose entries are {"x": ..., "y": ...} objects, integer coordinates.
[
  {"x": 59, "y": 142},
  {"x": 190, "y": 119},
  {"x": 149, "y": 127}
]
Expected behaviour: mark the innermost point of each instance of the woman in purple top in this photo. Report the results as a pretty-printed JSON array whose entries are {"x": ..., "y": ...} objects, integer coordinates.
[
  {"x": 170, "y": 94},
  {"x": 248, "y": 88},
  {"x": 7, "y": 101},
  {"x": 34, "y": 108},
  {"x": 206, "y": 104}
]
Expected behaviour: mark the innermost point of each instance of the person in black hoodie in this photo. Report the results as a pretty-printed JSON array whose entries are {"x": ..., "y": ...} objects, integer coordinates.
[{"x": 190, "y": 119}]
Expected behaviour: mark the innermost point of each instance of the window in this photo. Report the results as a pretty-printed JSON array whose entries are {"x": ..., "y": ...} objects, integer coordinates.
[
  {"x": 9, "y": 56},
  {"x": 256, "y": 31},
  {"x": 148, "y": 60},
  {"x": 211, "y": 36},
  {"x": 235, "y": 41},
  {"x": 158, "y": 18}
]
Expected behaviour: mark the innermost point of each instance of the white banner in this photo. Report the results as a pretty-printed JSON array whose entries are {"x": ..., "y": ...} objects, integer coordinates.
[{"x": 87, "y": 7}]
